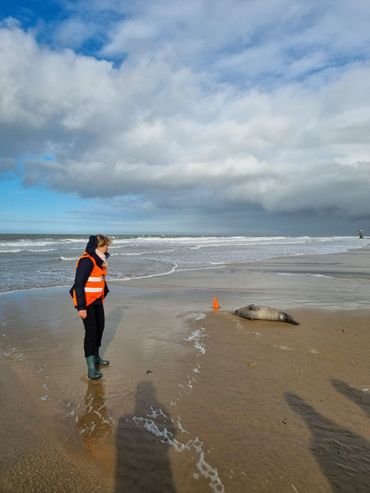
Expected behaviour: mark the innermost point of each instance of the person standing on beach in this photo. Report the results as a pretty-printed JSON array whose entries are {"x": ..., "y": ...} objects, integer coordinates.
[{"x": 88, "y": 293}]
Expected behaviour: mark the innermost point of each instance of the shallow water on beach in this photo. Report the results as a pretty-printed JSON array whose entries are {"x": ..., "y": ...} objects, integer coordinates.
[
  {"x": 130, "y": 421},
  {"x": 193, "y": 401}
]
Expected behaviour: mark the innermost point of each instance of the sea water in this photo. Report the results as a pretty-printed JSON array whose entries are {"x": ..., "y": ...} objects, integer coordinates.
[{"x": 35, "y": 261}]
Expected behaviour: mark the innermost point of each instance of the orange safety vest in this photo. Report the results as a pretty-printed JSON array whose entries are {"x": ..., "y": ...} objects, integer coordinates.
[{"x": 95, "y": 284}]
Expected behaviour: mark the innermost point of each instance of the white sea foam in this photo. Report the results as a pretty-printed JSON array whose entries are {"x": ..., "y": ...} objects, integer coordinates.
[
  {"x": 26, "y": 243},
  {"x": 304, "y": 274},
  {"x": 128, "y": 254},
  {"x": 162, "y": 251},
  {"x": 24, "y": 250},
  {"x": 180, "y": 427},
  {"x": 173, "y": 269},
  {"x": 166, "y": 436},
  {"x": 152, "y": 253},
  {"x": 196, "y": 337},
  {"x": 200, "y": 268},
  {"x": 73, "y": 240},
  {"x": 32, "y": 289},
  {"x": 199, "y": 346},
  {"x": 40, "y": 250}
]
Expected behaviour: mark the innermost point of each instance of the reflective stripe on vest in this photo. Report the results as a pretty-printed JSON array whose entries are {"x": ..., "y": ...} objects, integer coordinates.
[
  {"x": 95, "y": 284},
  {"x": 95, "y": 279}
]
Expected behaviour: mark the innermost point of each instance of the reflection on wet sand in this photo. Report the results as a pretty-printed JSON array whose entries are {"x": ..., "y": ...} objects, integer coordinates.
[
  {"x": 343, "y": 456},
  {"x": 95, "y": 426},
  {"x": 142, "y": 457}
]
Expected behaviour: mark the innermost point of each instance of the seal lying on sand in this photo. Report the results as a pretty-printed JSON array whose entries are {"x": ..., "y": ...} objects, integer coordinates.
[{"x": 254, "y": 312}]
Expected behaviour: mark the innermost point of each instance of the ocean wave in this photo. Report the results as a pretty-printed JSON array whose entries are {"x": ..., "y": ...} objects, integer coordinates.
[
  {"x": 128, "y": 254},
  {"x": 26, "y": 243},
  {"x": 40, "y": 250},
  {"x": 151, "y": 257},
  {"x": 146, "y": 276},
  {"x": 173, "y": 270},
  {"x": 304, "y": 274},
  {"x": 73, "y": 240},
  {"x": 137, "y": 254},
  {"x": 32, "y": 250},
  {"x": 34, "y": 288}
]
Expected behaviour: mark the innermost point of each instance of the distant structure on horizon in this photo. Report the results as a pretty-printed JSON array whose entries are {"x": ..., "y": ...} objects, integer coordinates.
[{"x": 361, "y": 234}]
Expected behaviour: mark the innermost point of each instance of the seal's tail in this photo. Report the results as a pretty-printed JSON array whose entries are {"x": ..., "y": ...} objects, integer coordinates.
[{"x": 290, "y": 320}]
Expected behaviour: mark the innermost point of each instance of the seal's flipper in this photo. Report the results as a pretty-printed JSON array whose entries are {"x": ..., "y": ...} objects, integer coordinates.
[
  {"x": 254, "y": 308},
  {"x": 290, "y": 320}
]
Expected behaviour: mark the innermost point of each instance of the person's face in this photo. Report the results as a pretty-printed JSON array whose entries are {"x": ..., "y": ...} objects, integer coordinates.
[{"x": 103, "y": 249}]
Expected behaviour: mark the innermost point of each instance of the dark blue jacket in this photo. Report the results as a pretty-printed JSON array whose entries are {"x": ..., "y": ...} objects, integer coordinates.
[{"x": 83, "y": 271}]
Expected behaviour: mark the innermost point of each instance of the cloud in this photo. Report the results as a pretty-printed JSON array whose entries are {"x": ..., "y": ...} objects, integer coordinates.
[
  {"x": 6, "y": 164},
  {"x": 277, "y": 40},
  {"x": 74, "y": 32},
  {"x": 245, "y": 113}
]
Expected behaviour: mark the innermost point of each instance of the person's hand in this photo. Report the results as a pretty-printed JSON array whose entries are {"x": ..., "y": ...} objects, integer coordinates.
[{"x": 82, "y": 314}]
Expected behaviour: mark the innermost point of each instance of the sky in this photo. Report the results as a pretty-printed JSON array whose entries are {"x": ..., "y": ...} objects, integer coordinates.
[{"x": 203, "y": 117}]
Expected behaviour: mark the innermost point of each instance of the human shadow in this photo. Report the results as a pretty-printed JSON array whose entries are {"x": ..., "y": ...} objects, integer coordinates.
[
  {"x": 362, "y": 399},
  {"x": 343, "y": 456},
  {"x": 93, "y": 421},
  {"x": 143, "y": 464}
]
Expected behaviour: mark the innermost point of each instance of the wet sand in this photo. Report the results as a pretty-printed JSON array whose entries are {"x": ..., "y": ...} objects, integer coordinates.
[{"x": 193, "y": 401}]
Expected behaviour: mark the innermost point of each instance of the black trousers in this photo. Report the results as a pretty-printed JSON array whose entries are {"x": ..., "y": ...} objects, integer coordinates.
[{"x": 94, "y": 328}]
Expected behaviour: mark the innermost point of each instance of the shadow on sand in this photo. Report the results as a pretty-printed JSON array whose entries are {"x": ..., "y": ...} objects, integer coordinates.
[
  {"x": 343, "y": 456},
  {"x": 360, "y": 398},
  {"x": 142, "y": 456},
  {"x": 112, "y": 322}
]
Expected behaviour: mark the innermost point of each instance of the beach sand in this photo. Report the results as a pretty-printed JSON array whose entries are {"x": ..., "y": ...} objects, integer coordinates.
[{"x": 194, "y": 400}]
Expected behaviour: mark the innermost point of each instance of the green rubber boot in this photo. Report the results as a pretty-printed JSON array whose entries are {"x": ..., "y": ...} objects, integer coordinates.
[
  {"x": 92, "y": 372},
  {"x": 99, "y": 361}
]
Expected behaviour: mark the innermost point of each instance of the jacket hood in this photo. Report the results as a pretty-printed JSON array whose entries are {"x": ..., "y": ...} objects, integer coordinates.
[{"x": 91, "y": 245}]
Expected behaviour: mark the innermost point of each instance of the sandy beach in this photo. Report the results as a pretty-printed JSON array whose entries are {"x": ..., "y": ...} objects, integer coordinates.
[{"x": 194, "y": 400}]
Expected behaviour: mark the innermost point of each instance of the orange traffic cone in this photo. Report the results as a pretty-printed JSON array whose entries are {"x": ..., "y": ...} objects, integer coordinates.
[{"x": 216, "y": 305}]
